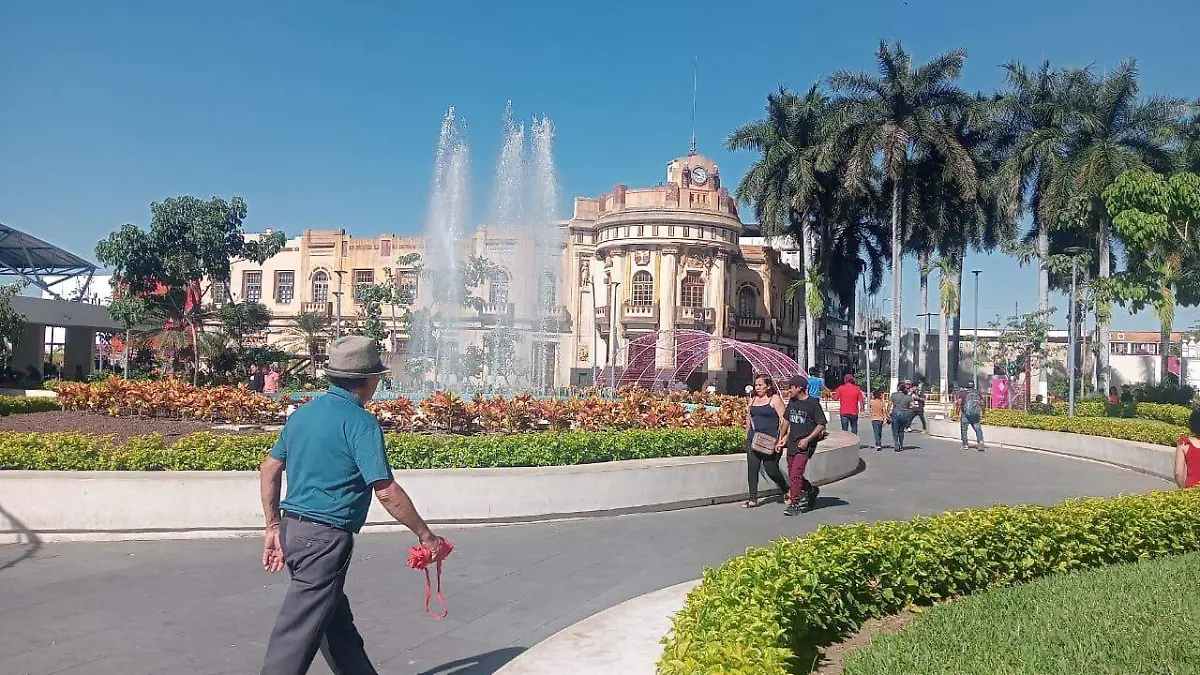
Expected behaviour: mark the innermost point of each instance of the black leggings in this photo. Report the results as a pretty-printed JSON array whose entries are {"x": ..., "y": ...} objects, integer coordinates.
[{"x": 770, "y": 463}]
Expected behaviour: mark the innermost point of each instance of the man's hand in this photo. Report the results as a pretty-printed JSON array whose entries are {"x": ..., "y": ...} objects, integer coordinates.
[
  {"x": 434, "y": 543},
  {"x": 272, "y": 550},
  {"x": 802, "y": 443},
  {"x": 781, "y": 443}
]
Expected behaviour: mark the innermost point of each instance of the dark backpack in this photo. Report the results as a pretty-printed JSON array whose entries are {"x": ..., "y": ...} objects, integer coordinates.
[{"x": 972, "y": 406}]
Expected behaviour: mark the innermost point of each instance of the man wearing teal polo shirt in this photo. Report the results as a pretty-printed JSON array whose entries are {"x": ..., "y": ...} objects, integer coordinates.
[{"x": 333, "y": 454}]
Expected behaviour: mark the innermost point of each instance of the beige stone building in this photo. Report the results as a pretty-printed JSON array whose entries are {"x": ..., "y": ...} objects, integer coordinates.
[{"x": 633, "y": 261}]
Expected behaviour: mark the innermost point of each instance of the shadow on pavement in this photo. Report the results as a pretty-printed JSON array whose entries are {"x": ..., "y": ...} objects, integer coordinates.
[
  {"x": 29, "y": 545},
  {"x": 483, "y": 664}
]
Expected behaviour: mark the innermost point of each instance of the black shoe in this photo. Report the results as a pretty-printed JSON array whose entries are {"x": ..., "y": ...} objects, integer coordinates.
[
  {"x": 810, "y": 500},
  {"x": 793, "y": 510}
]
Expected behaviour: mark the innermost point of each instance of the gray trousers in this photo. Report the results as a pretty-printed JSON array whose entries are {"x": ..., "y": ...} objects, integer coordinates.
[{"x": 316, "y": 613}]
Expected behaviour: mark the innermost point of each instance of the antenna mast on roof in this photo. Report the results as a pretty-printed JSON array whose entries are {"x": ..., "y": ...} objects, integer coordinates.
[{"x": 695, "y": 66}]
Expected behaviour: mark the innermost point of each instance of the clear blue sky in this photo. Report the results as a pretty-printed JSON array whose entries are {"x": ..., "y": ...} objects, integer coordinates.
[{"x": 325, "y": 114}]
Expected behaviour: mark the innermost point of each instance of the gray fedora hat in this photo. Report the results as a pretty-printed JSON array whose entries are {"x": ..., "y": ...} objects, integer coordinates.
[{"x": 354, "y": 357}]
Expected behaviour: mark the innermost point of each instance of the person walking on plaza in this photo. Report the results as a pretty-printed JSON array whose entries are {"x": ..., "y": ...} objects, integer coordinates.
[
  {"x": 901, "y": 415},
  {"x": 918, "y": 397},
  {"x": 803, "y": 423},
  {"x": 762, "y": 436},
  {"x": 851, "y": 403},
  {"x": 879, "y": 415},
  {"x": 272, "y": 380},
  {"x": 969, "y": 406},
  {"x": 333, "y": 453}
]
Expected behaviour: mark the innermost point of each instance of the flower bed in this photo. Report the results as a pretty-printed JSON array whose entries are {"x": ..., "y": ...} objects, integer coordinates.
[
  {"x": 17, "y": 405},
  {"x": 445, "y": 411},
  {"x": 770, "y": 611},
  {"x": 1162, "y": 412},
  {"x": 243, "y": 452},
  {"x": 1140, "y": 430}
]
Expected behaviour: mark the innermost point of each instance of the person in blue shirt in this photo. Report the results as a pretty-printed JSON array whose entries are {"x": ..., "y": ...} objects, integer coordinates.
[
  {"x": 815, "y": 385},
  {"x": 333, "y": 455}
]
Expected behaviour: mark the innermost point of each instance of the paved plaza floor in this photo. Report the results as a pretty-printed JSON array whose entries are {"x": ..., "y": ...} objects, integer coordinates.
[{"x": 205, "y": 607}]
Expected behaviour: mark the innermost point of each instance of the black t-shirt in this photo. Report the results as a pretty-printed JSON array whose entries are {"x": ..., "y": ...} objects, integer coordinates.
[{"x": 803, "y": 416}]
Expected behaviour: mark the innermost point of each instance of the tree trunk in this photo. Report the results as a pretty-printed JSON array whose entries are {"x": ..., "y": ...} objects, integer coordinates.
[
  {"x": 195, "y": 353},
  {"x": 802, "y": 339},
  {"x": 1164, "y": 342},
  {"x": 813, "y": 321},
  {"x": 1043, "y": 251},
  {"x": 923, "y": 324},
  {"x": 944, "y": 352},
  {"x": 897, "y": 276},
  {"x": 1105, "y": 273},
  {"x": 956, "y": 354}
]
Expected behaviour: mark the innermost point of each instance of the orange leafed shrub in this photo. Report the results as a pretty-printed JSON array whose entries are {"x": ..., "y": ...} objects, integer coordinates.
[{"x": 440, "y": 411}]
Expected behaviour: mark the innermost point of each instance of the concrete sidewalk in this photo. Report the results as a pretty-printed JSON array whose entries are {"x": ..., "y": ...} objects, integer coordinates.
[{"x": 205, "y": 607}]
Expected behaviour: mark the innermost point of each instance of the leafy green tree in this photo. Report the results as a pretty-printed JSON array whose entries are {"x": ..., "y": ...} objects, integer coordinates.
[
  {"x": 1158, "y": 221},
  {"x": 891, "y": 117},
  {"x": 190, "y": 243},
  {"x": 1116, "y": 130},
  {"x": 239, "y": 321},
  {"x": 12, "y": 322},
  {"x": 1021, "y": 342}
]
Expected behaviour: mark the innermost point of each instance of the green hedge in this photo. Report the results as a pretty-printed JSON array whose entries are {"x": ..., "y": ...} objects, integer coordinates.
[
  {"x": 770, "y": 611},
  {"x": 15, "y": 405},
  {"x": 1141, "y": 430},
  {"x": 208, "y": 451},
  {"x": 1163, "y": 412}
]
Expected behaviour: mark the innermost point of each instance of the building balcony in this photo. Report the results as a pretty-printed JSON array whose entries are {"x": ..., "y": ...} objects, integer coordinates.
[
  {"x": 322, "y": 308},
  {"x": 494, "y": 312},
  {"x": 750, "y": 323},
  {"x": 639, "y": 316},
  {"x": 602, "y": 319},
  {"x": 698, "y": 318}
]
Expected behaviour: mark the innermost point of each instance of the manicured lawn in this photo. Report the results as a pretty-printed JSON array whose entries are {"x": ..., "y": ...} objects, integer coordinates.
[{"x": 1121, "y": 620}]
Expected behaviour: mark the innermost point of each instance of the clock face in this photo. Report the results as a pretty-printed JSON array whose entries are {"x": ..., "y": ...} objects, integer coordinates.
[{"x": 699, "y": 175}]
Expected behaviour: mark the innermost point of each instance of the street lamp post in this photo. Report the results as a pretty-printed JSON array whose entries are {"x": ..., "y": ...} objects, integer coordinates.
[
  {"x": 338, "y": 329},
  {"x": 975, "y": 347},
  {"x": 1074, "y": 252},
  {"x": 595, "y": 333},
  {"x": 925, "y": 354}
]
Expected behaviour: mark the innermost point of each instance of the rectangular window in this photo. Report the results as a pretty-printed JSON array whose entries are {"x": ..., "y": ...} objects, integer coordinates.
[
  {"x": 385, "y": 248},
  {"x": 362, "y": 277},
  {"x": 687, "y": 232},
  {"x": 626, "y": 235},
  {"x": 408, "y": 286},
  {"x": 670, "y": 230},
  {"x": 220, "y": 292},
  {"x": 252, "y": 286},
  {"x": 654, "y": 230},
  {"x": 285, "y": 286},
  {"x": 639, "y": 230},
  {"x": 1119, "y": 348},
  {"x": 345, "y": 248}
]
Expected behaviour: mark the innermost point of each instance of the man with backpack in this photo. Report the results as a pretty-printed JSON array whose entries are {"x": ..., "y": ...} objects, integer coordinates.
[{"x": 970, "y": 413}]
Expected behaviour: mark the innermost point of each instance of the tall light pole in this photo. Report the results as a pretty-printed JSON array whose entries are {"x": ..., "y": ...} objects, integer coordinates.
[
  {"x": 925, "y": 356},
  {"x": 975, "y": 347},
  {"x": 1074, "y": 252},
  {"x": 595, "y": 334},
  {"x": 338, "y": 329}
]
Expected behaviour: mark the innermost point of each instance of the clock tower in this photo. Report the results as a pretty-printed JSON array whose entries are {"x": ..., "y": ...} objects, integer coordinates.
[{"x": 694, "y": 172}]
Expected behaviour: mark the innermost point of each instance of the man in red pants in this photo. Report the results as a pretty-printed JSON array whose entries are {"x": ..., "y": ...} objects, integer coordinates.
[{"x": 804, "y": 422}]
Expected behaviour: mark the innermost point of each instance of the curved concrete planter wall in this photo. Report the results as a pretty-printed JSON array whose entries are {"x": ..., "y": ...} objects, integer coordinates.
[
  {"x": 1155, "y": 460},
  {"x": 62, "y": 505}
]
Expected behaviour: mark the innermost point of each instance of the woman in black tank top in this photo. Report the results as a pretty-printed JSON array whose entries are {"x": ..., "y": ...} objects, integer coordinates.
[{"x": 766, "y": 409}]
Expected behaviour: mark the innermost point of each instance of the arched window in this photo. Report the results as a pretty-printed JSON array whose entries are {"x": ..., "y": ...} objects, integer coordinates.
[
  {"x": 691, "y": 290},
  {"x": 747, "y": 301},
  {"x": 320, "y": 286},
  {"x": 547, "y": 290},
  {"x": 643, "y": 289},
  {"x": 498, "y": 295}
]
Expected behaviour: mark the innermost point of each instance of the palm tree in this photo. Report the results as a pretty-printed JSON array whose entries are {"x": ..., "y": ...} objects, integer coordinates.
[
  {"x": 306, "y": 333},
  {"x": 783, "y": 185},
  {"x": 949, "y": 280},
  {"x": 894, "y": 115},
  {"x": 1115, "y": 131},
  {"x": 1037, "y": 113}
]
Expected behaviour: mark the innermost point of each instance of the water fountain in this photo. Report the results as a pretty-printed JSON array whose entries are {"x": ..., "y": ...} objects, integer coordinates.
[{"x": 523, "y": 208}]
